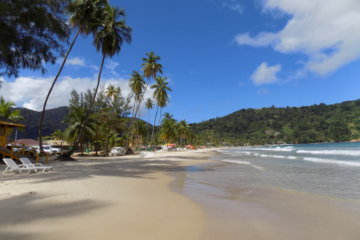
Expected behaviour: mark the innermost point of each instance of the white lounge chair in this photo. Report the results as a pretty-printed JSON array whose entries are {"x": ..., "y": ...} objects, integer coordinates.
[
  {"x": 13, "y": 167},
  {"x": 36, "y": 167}
]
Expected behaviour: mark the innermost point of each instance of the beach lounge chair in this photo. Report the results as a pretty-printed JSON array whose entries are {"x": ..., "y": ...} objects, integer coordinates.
[
  {"x": 13, "y": 167},
  {"x": 36, "y": 167}
]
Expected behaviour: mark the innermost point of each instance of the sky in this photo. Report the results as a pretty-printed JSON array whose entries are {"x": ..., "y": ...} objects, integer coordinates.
[{"x": 220, "y": 56}]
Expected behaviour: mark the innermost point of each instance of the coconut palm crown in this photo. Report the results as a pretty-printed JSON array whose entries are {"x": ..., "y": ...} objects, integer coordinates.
[
  {"x": 112, "y": 31},
  {"x": 137, "y": 85},
  {"x": 150, "y": 66},
  {"x": 161, "y": 88}
]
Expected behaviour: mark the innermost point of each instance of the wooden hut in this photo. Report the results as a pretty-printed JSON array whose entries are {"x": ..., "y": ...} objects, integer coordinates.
[{"x": 6, "y": 129}]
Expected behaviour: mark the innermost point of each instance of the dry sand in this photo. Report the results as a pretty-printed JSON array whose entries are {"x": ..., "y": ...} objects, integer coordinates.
[{"x": 116, "y": 198}]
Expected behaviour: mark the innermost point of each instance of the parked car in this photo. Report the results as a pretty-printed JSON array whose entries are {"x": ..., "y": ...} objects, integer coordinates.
[
  {"x": 46, "y": 149},
  {"x": 117, "y": 151},
  {"x": 56, "y": 150}
]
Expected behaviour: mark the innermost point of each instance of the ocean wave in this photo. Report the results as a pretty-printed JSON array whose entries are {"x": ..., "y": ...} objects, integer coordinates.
[
  {"x": 331, "y": 161},
  {"x": 244, "y": 163},
  {"x": 331, "y": 152},
  {"x": 274, "y": 156},
  {"x": 277, "y": 149}
]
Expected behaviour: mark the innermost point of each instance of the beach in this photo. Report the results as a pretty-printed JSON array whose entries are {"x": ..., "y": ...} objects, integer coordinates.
[
  {"x": 167, "y": 196},
  {"x": 118, "y": 198}
]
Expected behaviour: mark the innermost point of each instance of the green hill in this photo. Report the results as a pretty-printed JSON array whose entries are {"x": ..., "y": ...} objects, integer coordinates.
[
  {"x": 316, "y": 123},
  {"x": 53, "y": 121}
]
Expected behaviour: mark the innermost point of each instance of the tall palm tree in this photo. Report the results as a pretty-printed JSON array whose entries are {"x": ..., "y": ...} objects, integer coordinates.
[
  {"x": 111, "y": 33},
  {"x": 83, "y": 17},
  {"x": 161, "y": 96},
  {"x": 112, "y": 92},
  {"x": 137, "y": 86},
  {"x": 7, "y": 112},
  {"x": 150, "y": 68},
  {"x": 149, "y": 104}
]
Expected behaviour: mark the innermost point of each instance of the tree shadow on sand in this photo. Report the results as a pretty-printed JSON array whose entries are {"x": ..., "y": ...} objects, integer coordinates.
[
  {"x": 26, "y": 208},
  {"x": 130, "y": 168}
]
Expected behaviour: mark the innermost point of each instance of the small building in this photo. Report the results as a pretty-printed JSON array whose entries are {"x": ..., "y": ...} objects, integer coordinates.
[
  {"x": 6, "y": 129},
  {"x": 26, "y": 142}
]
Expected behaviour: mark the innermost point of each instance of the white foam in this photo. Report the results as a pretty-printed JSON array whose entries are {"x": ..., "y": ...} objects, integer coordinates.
[
  {"x": 244, "y": 163},
  {"x": 277, "y": 149},
  {"x": 332, "y": 161},
  {"x": 331, "y": 152}
]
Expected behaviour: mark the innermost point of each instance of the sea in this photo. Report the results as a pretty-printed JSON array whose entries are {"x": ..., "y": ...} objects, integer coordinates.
[
  {"x": 282, "y": 192},
  {"x": 327, "y": 169}
]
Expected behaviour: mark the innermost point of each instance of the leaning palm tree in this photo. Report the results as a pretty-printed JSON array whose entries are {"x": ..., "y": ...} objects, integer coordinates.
[
  {"x": 83, "y": 17},
  {"x": 161, "y": 97},
  {"x": 7, "y": 112},
  {"x": 149, "y": 104},
  {"x": 111, "y": 33}
]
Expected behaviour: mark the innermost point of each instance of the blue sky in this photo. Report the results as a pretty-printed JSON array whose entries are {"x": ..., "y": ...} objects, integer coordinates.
[{"x": 222, "y": 55}]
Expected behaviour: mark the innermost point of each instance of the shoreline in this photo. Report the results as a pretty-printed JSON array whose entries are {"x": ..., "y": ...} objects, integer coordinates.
[{"x": 256, "y": 211}]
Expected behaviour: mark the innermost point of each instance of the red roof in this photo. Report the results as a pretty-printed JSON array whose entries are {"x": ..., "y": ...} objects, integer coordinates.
[{"x": 28, "y": 142}]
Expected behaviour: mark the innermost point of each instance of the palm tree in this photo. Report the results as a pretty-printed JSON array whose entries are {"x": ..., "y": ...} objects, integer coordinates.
[
  {"x": 79, "y": 128},
  {"x": 6, "y": 111},
  {"x": 150, "y": 68},
  {"x": 149, "y": 104},
  {"x": 112, "y": 92},
  {"x": 111, "y": 33},
  {"x": 168, "y": 129},
  {"x": 161, "y": 97},
  {"x": 183, "y": 130},
  {"x": 84, "y": 14},
  {"x": 137, "y": 86}
]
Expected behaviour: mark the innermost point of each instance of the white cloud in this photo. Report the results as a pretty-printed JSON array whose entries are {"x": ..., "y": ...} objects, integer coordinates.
[
  {"x": 75, "y": 61},
  {"x": 233, "y": 5},
  {"x": 30, "y": 92},
  {"x": 111, "y": 66},
  {"x": 326, "y": 31},
  {"x": 265, "y": 74}
]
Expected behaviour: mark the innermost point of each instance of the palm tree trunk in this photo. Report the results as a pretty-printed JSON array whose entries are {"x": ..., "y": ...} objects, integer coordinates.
[
  {"x": 97, "y": 86},
  {"x": 147, "y": 129},
  {"x": 136, "y": 111},
  {"x": 51, "y": 88},
  {"x": 153, "y": 128},
  {"x": 159, "y": 119},
  {"x": 94, "y": 97}
]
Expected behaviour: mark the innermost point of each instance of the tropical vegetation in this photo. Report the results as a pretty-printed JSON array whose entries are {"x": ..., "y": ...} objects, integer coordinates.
[{"x": 311, "y": 124}]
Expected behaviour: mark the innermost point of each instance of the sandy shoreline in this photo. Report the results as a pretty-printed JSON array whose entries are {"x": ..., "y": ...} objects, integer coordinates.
[{"x": 102, "y": 199}]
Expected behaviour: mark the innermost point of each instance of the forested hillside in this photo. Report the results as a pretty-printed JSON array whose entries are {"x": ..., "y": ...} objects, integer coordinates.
[
  {"x": 53, "y": 121},
  {"x": 316, "y": 123}
]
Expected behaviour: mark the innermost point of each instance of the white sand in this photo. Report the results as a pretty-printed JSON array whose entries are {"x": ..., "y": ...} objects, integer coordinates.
[{"x": 101, "y": 199}]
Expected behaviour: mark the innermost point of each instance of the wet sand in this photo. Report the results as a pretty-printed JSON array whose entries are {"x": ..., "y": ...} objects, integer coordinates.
[{"x": 255, "y": 211}]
